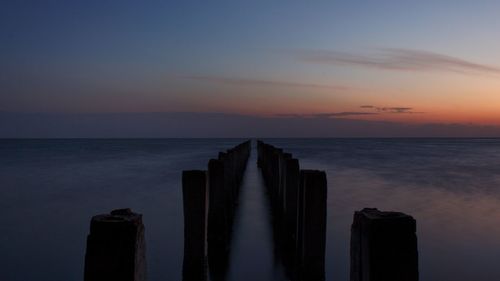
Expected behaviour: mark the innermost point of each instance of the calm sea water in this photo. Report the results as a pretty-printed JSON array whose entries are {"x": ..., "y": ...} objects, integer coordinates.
[{"x": 49, "y": 189}]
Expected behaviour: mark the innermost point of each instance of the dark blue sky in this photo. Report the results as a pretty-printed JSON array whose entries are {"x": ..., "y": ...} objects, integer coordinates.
[{"x": 261, "y": 58}]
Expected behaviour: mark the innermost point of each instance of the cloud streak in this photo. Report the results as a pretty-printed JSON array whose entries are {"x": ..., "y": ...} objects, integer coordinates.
[
  {"x": 259, "y": 82},
  {"x": 327, "y": 114},
  {"x": 399, "y": 60},
  {"x": 390, "y": 109},
  {"x": 371, "y": 110}
]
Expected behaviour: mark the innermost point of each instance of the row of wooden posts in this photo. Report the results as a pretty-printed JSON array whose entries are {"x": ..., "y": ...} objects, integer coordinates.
[
  {"x": 383, "y": 244},
  {"x": 210, "y": 199},
  {"x": 299, "y": 207},
  {"x": 116, "y": 245}
]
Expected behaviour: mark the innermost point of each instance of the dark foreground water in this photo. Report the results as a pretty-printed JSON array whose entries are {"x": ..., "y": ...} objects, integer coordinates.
[{"x": 49, "y": 189}]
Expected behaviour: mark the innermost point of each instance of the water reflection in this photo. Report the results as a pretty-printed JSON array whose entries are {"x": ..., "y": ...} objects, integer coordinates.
[{"x": 253, "y": 255}]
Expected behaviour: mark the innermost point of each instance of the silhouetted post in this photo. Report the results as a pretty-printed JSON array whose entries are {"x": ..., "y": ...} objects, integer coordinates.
[
  {"x": 290, "y": 215},
  {"x": 218, "y": 228},
  {"x": 274, "y": 176},
  {"x": 291, "y": 199},
  {"x": 383, "y": 246},
  {"x": 312, "y": 225},
  {"x": 228, "y": 185},
  {"x": 194, "y": 193},
  {"x": 282, "y": 186},
  {"x": 116, "y": 248},
  {"x": 260, "y": 151}
]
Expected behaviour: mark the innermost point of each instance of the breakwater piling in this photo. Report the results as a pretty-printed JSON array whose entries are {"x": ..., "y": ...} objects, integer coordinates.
[
  {"x": 195, "y": 204},
  {"x": 383, "y": 246},
  {"x": 210, "y": 201},
  {"x": 116, "y": 248},
  {"x": 298, "y": 204}
]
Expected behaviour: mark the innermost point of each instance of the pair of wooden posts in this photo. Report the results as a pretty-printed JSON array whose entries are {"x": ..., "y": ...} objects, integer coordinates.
[
  {"x": 383, "y": 244},
  {"x": 298, "y": 201}
]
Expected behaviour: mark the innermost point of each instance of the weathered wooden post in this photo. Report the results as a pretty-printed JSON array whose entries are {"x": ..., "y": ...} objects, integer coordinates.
[
  {"x": 195, "y": 201},
  {"x": 291, "y": 203},
  {"x": 284, "y": 157},
  {"x": 312, "y": 225},
  {"x": 218, "y": 226},
  {"x": 228, "y": 185},
  {"x": 383, "y": 246},
  {"x": 116, "y": 248},
  {"x": 274, "y": 176},
  {"x": 207, "y": 234},
  {"x": 260, "y": 151}
]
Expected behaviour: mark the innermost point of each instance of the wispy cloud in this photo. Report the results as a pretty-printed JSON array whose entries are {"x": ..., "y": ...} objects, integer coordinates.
[
  {"x": 371, "y": 110},
  {"x": 390, "y": 109},
  {"x": 259, "y": 82},
  {"x": 327, "y": 114},
  {"x": 398, "y": 60}
]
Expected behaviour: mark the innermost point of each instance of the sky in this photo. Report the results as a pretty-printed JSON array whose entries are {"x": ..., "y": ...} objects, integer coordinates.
[{"x": 414, "y": 63}]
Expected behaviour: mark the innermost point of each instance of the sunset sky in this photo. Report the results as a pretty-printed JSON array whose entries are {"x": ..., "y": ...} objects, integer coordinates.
[{"x": 415, "y": 62}]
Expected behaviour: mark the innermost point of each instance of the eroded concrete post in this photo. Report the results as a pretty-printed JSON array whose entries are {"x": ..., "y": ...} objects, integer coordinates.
[
  {"x": 116, "y": 248},
  {"x": 383, "y": 246},
  {"x": 195, "y": 202}
]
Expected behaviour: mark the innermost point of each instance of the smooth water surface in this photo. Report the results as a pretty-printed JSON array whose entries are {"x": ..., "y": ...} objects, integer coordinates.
[{"x": 49, "y": 189}]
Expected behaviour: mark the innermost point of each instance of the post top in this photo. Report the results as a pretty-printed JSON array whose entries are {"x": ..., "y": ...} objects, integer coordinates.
[
  {"x": 376, "y": 214},
  {"x": 125, "y": 215}
]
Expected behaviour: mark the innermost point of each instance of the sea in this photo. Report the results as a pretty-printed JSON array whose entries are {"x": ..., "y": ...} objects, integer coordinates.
[{"x": 50, "y": 189}]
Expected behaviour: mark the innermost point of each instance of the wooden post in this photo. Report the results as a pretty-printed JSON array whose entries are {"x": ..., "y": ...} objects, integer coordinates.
[
  {"x": 274, "y": 176},
  {"x": 383, "y": 246},
  {"x": 284, "y": 157},
  {"x": 218, "y": 227},
  {"x": 194, "y": 191},
  {"x": 116, "y": 248},
  {"x": 291, "y": 201},
  {"x": 228, "y": 185},
  {"x": 312, "y": 225}
]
